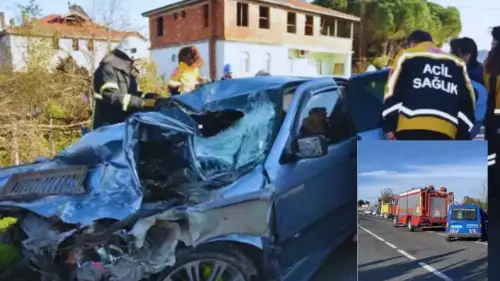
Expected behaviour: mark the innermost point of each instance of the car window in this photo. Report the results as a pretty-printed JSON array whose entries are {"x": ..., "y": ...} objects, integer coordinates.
[
  {"x": 324, "y": 114},
  {"x": 364, "y": 100}
]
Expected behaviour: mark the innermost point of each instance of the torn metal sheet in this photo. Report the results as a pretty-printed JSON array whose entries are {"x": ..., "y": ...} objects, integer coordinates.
[{"x": 41, "y": 233}]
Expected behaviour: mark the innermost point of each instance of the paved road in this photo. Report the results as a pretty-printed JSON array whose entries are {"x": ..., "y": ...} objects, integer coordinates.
[
  {"x": 341, "y": 265},
  {"x": 386, "y": 253}
]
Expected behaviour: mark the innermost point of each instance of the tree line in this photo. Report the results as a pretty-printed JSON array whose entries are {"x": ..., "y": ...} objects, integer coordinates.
[{"x": 388, "y": 23}]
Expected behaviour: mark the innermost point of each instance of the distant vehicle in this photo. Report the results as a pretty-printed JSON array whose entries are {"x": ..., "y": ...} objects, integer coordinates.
[
  {"x": 466, "y": 221},
  {"x": 367, "y": 212},
  {"x": 422, "y": 208}
]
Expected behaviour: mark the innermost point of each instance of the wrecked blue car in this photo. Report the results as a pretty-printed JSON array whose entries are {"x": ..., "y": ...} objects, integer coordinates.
[
  {"x": 364, "y": 96},
  {"x": 244, "y": 179}
]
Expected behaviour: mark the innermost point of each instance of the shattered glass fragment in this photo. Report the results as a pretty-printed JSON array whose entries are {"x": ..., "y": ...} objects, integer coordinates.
[{"x": 244, "y": 143}]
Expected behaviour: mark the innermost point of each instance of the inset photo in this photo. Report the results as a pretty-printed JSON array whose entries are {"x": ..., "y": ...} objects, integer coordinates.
[{"x": 422, "y": 210}]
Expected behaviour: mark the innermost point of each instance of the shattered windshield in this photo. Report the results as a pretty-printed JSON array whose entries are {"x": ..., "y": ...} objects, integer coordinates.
[{"x": 242, "y": 144}]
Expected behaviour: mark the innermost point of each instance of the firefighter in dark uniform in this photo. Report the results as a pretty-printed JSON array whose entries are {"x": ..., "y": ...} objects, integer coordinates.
[
  {"x": 428, "y": 95},
  {"x": 116, "y": 89}
]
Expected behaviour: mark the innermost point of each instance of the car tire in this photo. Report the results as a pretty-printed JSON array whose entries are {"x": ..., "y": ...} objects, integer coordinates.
[
  {"x": 483, "y": 238},
  {"x": 448, "y": 239},
  {"x": 224, "y": 253},
  {"x": 395, "y": 221}
]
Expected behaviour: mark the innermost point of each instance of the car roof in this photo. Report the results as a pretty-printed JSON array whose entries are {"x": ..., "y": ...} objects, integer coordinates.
[
  {"x": 233, "y": 89},
  {"x": 465, "y": 206}
]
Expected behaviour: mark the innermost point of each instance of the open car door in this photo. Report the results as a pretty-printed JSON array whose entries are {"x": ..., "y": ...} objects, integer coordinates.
[{"x": 365, "y": 95}]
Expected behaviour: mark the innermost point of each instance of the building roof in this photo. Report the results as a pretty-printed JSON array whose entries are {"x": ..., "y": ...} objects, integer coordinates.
[
  {"x": 71, "y": 25},
  {"x": 292, "y": 4}
]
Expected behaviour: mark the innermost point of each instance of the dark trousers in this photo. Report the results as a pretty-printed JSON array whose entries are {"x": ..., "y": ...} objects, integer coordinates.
[
  {"x": 420, "y": 135},
  {"x": 493, "y": 208}
]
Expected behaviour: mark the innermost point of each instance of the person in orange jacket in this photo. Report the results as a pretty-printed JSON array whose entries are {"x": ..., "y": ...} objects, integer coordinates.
[{"x": 186, "y": 77}]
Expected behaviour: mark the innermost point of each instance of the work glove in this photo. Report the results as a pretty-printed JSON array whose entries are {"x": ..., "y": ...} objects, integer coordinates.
[{"x": 149, "y": 103}]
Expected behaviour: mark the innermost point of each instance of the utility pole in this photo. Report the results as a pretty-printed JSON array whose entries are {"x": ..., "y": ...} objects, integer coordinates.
[{"x": 362, "y": 50}]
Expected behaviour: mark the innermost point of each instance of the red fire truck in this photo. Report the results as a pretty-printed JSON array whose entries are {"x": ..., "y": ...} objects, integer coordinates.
[{"x": 422, "y": 208}]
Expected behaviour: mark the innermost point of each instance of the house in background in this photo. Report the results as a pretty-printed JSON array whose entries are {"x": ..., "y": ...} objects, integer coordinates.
[
  {"x": 73, "y": 34},
  {"x": 283, "y": 37}
]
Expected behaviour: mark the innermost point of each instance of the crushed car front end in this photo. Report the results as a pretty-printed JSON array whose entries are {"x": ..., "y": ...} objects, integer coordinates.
[{"x": 117, "y": 204}]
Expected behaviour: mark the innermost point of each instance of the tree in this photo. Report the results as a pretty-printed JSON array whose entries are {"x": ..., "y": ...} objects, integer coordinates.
[
  {"x": 361, "y": 202},
  {"x": 333, "y": 4},
  {"x": 475, "y": 201},
  {"x": 386, "y": 195},
  {"x": 389, "y": 22},
  {"x": 31, "y": 9}
]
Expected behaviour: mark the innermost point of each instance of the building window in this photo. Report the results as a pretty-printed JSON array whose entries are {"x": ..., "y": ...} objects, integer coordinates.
[
  {"x": 245, "y": 62},
  {"x": 291, "y": 23},
  {"x": 264, "y": 21},
  {"x": 55, "y": 42},
  {"x": 183, "y": 14},
  {"x": 159, "y": 26},
  {"x": 76, "y": 46},
  {"x": 205, "y": 15},
  {"x": 242, "y": 14},
  {"x": 90, "y": 44},
  {"x": 267, "y": 63},
  {"x": 175, "y": 16},
  {"x": 338, "y": 69},
  {"x": 309, "y": 25}
]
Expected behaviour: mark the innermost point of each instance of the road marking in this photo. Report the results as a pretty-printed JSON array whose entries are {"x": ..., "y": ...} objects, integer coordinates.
[
  {"x": 372, "y": 234},
  {"x": 435, "y": 272},
  {"x": 484, "y": 243},
  {"x": 391, "y": 245},
  {"x": 407, "y": 255},
  {"x": 422, "y": 264}
]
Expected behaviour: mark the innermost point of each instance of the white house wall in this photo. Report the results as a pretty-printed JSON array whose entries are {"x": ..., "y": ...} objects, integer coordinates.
[
  {"x": 235, "y": 53},
  {"x": 83, "y": 57},
  {"x": 166, "y": 58}
]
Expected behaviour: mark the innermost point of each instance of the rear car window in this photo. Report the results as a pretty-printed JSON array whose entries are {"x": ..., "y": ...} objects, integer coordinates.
[
  {"x": 365, "y": 95},
  {"x": 465, "y": 214}
]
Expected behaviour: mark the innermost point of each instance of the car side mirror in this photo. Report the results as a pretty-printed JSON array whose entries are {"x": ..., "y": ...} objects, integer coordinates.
[{"x": 311, "y": 147}]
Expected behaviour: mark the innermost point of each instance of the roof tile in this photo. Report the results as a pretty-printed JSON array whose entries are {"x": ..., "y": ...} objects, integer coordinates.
[{"x": 52, "y": 24}]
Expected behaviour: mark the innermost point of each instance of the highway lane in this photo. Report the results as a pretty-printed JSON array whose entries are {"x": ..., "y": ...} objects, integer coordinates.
[{"x": 395, "y": 254}]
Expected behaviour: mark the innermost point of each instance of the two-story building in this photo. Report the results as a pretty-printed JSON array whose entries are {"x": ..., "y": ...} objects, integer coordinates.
[
  {"x": 283, "y": 37},
  {"x": 58, "y": 36}
]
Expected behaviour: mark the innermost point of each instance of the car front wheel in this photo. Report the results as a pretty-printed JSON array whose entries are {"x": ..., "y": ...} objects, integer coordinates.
[{"x": 218, "y": 262}]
